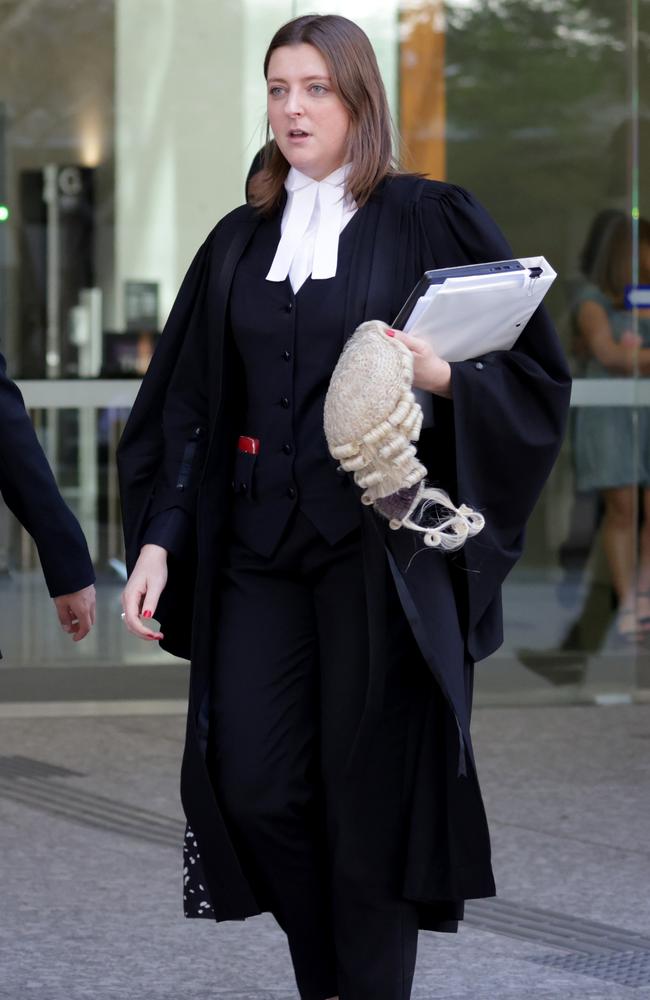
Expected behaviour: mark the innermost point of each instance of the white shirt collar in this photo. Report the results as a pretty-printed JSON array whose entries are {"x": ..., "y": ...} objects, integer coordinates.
[
  {"x": 315, "y": 214},
  {"x": 296, "y": 180}
]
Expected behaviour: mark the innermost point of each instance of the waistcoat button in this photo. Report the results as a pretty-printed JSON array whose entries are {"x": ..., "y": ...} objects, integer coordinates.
[
  {"x": 286, "y": 355},
  {"x": 289, "y": 307},
  {"x": 291, "y": 492},
  {"x": 479, "y": 365},
  {"x": 287, "y": 448},
  {"x": 284, "y": 403}
]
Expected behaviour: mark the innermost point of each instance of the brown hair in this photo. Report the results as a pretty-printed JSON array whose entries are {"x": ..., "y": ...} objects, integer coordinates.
[
  {"x": 607, "y": 254},
  {"x": 352, "y": 64}
]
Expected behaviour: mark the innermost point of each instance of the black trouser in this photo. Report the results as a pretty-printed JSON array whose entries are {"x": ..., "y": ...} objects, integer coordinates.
[{"x": 287, "y": 696}]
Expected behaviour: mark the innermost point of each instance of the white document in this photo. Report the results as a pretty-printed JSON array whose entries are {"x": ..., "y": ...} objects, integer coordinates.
[{"x": 468, "y": 314}]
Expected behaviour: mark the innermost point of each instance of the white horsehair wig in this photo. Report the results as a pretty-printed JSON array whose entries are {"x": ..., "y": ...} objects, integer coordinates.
[{"x": 371, "y": 421}]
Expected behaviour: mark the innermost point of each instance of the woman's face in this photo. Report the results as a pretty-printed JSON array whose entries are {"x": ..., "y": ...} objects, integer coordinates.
[{"x": 309, "y": 121}]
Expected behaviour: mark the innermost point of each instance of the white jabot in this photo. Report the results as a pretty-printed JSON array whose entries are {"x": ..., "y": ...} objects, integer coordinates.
[{"x": 314, "y": 216}]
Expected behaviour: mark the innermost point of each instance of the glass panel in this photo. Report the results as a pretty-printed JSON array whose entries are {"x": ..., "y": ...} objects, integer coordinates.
[
  {"x": 80, "y": 444},
  {"x": 78, "y": 328},
  {"x": 111, "y": 175},
  {"x": 540, "y": 104}
]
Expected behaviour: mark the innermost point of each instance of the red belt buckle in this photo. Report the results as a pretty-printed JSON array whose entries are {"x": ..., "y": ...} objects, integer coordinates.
[{"x": 249, "y": 445}]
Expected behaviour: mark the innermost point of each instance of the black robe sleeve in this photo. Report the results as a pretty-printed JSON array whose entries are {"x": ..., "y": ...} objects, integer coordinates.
[
  {"x": 161, "y": 450},
  {"x": 184, "y": 404},
  {"x": 31, "y": 493},
  {"x": 507, "y": 415}
]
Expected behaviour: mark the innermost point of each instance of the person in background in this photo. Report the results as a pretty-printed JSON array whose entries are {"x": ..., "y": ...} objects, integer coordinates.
[
  {"x": 31, "y": 494},
  {"x": 612, "y": 443}
]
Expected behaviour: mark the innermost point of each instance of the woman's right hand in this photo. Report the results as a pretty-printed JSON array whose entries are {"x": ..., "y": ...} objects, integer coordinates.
[{"x": 145, "y": 585}]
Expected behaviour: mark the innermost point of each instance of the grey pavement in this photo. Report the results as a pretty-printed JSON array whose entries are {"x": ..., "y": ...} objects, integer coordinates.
[{"x": 90, "y": 840}]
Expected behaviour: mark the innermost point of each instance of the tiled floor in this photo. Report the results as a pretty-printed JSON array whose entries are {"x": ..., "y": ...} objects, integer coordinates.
[{"x": 91, "y": 889}]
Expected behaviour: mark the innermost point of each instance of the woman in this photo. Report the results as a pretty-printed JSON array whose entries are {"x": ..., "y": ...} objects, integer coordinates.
[
  {"x": 328, "y": 773},
  {"x": 612, "y": 444}
]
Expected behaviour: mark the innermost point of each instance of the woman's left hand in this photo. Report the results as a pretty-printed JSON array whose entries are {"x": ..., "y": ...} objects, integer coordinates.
[{"x": 430, "y": 371}]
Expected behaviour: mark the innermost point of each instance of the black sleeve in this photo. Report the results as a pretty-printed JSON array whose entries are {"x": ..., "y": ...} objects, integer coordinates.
[
  {"x": 30, "y": 491},
  {"x": 160, "y": 457},
  {"x": 185, "y": 428},
  {"x": 508, "y": 409},
  {"x": 170, "y": 529}
]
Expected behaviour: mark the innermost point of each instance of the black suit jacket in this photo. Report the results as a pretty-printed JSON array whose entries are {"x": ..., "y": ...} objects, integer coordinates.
[{"x": 30, "y": 491}]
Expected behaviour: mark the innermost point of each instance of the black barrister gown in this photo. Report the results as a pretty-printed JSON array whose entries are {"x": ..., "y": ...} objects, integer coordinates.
[{"x": 492, "y": 447}]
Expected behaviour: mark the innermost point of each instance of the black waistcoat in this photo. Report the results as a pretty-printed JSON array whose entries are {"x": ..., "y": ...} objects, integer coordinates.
[{"x": 289, "y": 345}]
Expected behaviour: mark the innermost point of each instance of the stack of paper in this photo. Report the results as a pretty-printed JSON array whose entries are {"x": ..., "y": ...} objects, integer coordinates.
[
  {"x": 464, "y": 312},
  {"x": 467, "y": 311}
]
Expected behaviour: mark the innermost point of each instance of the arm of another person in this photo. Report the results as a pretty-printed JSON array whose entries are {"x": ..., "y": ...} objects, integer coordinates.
[
  {"x": 30, "y": 492},
  {"x": 619, "y": 358}
]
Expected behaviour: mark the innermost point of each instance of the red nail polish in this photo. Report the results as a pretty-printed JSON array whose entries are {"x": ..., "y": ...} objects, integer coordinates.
[
  {"x": 390, "y": 333},
  {"x": 147, "y": 614}
]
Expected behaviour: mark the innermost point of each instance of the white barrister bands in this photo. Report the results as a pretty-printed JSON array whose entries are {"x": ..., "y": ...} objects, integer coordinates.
[
  {"x": 371, "y": 420},
  {"x": 314, "y": 217}
]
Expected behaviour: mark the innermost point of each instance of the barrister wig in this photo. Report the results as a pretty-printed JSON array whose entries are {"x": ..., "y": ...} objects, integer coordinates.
[{"x": 371, "y": 421}]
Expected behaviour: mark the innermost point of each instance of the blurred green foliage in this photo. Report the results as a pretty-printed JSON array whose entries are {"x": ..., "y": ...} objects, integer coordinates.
[{"x": 539, "y": 106}]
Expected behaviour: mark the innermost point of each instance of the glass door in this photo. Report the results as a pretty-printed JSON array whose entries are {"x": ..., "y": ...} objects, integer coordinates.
[{"x": 543, "y": 111}]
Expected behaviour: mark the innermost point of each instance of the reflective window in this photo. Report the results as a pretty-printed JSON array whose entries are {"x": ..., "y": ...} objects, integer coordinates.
[{"x": 118, "y": 156}]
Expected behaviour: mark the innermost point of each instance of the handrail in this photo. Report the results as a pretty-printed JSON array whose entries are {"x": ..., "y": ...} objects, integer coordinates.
[
  {"x": 105, "y": 393},
  {"x": 79, "y": 393}
]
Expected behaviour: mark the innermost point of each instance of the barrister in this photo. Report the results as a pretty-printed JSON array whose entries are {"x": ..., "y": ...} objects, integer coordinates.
[
  {"x": 328, "y": 773},
  {"x": 30, "y": 491}
]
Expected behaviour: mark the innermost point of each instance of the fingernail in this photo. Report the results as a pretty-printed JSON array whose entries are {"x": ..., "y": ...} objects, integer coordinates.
[
  {"x": 147, "y": 614},
  {"x": 390, "y": 333}
]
